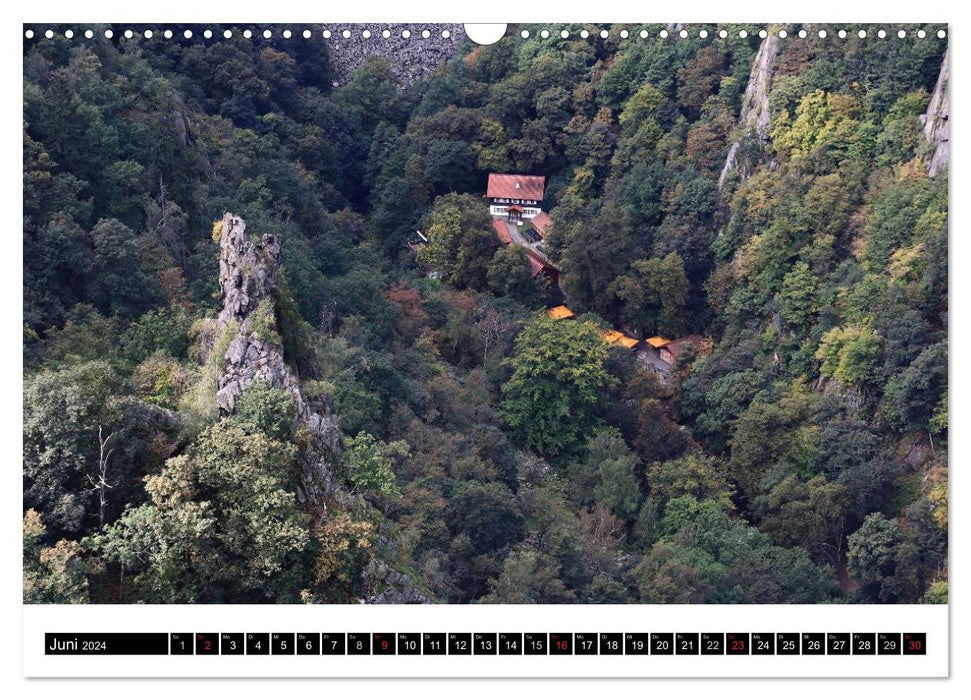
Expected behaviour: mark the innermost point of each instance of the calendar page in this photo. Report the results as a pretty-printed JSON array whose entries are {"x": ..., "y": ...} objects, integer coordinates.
[{"x": 536, "y": 349}]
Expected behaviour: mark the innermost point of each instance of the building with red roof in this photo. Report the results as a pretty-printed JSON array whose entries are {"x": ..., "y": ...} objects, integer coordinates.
[
  {"x": 502, "y": 231},
  {"x": 515, "y": 197},
  {"x": 541, "y": 222}
]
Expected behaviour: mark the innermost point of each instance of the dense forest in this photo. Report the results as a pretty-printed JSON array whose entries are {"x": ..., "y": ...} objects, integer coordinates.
[{"x": 487, "y": 452}]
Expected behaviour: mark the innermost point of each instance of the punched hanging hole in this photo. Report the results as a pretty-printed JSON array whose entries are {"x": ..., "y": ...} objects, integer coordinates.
[{"x": 486, "y": 34}]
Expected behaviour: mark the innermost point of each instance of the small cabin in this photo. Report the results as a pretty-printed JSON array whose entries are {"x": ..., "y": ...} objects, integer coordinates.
[
  {"x": 515, "y": 197},
  {"x": 541, "y": 222},
  {"x": 542, "y": 267},
  {"x": 671, "y": 349}
]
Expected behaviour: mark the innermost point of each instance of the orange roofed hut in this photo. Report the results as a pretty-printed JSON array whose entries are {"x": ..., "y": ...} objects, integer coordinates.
[{"x": 620, "y": 339}]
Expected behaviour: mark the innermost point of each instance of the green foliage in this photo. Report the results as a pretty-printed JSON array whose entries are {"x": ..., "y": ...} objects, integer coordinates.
[
  {"x": 695, "y": 475},
  {"x": 62, "y": 411},
  {"x": 223, "y": 524},
  {"x": 914, "y": 397},
  {"x": 820, "y": 255},
  {"x": 655, "y": 295},
  {"x": 528, "y": 577},
  {"x": 708, "y": 557},
  {"x": 370, "y": 461},
  {"x": 871, "y": 552},
  {"x": 849, "y": 355},
  {"x": 550, "y": 400},
  {"x": 485, "y": 513},
  {"x": 510, "y": 274},
  {"x": 461, "y": 241},
  {"x": 263, "y": 408},
  {"x": 199, "y": 402},
  {"x": 165, "y": 330},
  {"x": 263, "y": 323},
  {"x": 797, "y": 296},
  {"x": 160, "y": 380},
  {"x": 51, "y": 574}
]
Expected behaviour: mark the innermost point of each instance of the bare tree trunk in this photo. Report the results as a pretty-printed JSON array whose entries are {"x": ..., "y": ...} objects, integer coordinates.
[{"x": 101, "y": 485}]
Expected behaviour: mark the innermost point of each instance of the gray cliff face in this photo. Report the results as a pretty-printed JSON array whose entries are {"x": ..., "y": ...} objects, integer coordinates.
[
  {"x": 935, "y": 122},
  {"x": 410, "y": 58},
  {"x": 754, "y": 117},
  {"x": 248, "y": 275}
]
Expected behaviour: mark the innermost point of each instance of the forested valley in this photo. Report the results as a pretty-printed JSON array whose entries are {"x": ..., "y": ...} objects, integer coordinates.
[{"x": 488, "y": 453}]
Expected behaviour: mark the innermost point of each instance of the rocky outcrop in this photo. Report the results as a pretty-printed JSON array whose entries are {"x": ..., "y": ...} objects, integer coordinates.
[
  {"x": 249, "y": 274},
  {"x": 410, "y": 58},
  {"x": 249, "y": 271},
  {"x": 754, "y": 119},
  {"x": 935, "y": 123}
]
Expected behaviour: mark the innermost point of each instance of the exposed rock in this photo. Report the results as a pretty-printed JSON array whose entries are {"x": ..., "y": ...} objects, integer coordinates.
[
  {"x": 249, "y": 271},
  {"x": 935, "y": 122},
  {"x": 754, "y": 117},
  {"x": 394, "y": 587},
  {"x": 248, "y": 275},
  {"x": 410, "y": 58}
]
